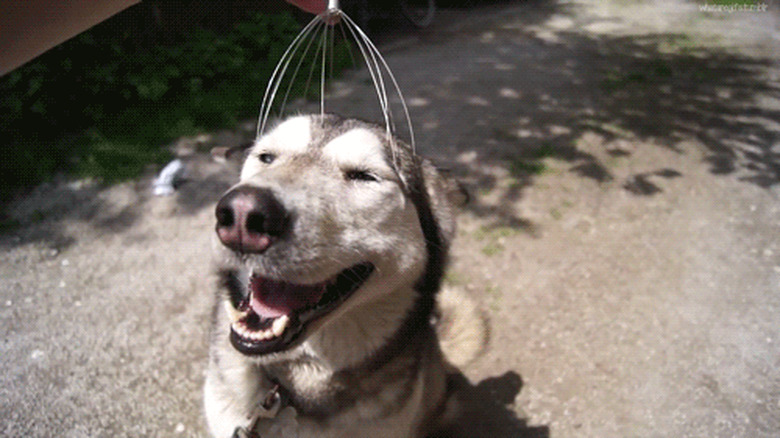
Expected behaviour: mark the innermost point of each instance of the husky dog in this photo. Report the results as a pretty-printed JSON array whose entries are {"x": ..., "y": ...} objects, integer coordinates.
[{"x": 331, "y": 252}]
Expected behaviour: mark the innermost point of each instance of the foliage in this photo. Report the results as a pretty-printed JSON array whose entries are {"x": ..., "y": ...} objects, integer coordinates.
[{"x": 105, "y": 103}]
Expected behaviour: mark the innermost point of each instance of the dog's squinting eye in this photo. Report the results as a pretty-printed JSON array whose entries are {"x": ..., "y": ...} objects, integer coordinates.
[
  {"x": 266, "y": 157},
  {"x": 359, "y": 175}
]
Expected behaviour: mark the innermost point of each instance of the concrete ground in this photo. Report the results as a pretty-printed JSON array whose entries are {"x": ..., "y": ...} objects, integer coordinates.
[{"x": 623, "y": 239}]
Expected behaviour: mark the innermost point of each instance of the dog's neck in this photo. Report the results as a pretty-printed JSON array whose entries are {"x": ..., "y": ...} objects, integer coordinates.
[
  {"x": 349, "y": 342},
  {"x": 361, "y": 342},
  {"x": 357, "y": 335}
]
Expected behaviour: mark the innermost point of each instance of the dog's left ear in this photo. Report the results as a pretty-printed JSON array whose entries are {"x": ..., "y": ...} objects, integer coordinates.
[
  {"x": 445, "y": 194},
  {"x": 222, "y": 154}
]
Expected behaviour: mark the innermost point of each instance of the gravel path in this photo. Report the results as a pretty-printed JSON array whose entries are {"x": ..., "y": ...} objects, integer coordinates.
[{"x": 624, "y": 160}]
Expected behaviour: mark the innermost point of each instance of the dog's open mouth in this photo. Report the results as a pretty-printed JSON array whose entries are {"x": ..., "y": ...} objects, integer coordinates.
[{"x": 274, "y": 313}]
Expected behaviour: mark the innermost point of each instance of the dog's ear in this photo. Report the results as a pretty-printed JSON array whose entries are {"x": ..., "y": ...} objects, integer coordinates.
[
  {"x": 445, "y": 193},
  {"x": 456, "y": 192},
  {"x": 222, "y": 154}
]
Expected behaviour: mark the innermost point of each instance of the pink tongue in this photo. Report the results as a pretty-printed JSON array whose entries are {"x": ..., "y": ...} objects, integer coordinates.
[{"x": 272, "y": 299}]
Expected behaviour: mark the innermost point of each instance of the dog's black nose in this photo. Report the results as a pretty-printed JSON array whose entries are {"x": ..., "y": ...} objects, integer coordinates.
[{"x": 249, "y": 218}]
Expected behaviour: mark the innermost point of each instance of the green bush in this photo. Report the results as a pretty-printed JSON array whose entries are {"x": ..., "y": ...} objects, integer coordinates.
[{"x": 104, "y": 104}]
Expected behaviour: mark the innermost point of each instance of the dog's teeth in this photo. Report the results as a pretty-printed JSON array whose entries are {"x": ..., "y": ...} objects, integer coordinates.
[
  {"x": 233, "y": 314},
  {"x": 239, "y": 328},
  {"x": 279, "y": 325},
  {"x": 276, "y": 329},
  {"x": 262, "y": 335}
]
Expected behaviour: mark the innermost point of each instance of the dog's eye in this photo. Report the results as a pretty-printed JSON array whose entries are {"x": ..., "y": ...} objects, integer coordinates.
[
  {"x": 266, "y": 157},
  {"x": 359, "y": 175}
]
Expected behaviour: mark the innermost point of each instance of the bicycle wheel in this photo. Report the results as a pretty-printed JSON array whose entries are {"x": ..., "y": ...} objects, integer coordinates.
[{"x": 418, "y": 12}]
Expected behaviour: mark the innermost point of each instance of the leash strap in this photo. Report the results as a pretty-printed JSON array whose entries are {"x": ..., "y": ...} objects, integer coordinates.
[{"x": 268, "y": 408}]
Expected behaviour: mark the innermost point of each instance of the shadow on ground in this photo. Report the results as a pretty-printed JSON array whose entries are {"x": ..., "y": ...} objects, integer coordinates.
[
  {"x": 506, "y": 97},
  {"x": 41, "y": 216},
  {"x": 485, "y": 409},
  {"x": 493, "y": 94},
  {"x": 513, "y": 100},
  {"x": 496, "y": 98}
]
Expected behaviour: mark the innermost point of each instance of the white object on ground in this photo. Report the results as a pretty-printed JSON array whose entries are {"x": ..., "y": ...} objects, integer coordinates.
[{"x": 165, "y": 183}]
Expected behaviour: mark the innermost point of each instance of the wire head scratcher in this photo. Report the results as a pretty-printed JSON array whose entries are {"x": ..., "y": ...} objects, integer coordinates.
[{"x": 311, "y": 56}]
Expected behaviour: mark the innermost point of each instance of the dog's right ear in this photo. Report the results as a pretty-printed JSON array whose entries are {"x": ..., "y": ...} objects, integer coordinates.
[
  {"x": 445, "y": 194},
  {"x": 222, "y": 154},
  {"x": 456, "y": 192}
]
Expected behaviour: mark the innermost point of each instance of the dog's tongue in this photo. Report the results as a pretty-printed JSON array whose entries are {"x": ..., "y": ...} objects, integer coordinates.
[{"x": 272, "y": 299}]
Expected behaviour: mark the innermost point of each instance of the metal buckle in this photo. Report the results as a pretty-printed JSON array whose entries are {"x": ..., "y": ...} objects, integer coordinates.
[{"x": 269, "y": 408}]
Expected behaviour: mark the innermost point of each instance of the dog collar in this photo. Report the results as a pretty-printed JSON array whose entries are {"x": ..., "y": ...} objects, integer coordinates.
[{"x": 268, "y": 408}]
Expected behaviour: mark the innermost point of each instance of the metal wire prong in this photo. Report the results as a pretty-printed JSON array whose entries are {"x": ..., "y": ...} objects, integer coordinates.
[{"x": 316, "y": 43}]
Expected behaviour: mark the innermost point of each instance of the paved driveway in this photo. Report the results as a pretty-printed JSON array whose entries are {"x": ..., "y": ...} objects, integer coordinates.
[{"x": 624, "y": 160}]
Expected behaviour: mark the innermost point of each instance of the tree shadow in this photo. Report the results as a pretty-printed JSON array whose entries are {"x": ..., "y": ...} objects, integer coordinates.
[
  {"x": 41, "y": 215},
  {"x": 484, "y": 409},
  {"x": 503, "y": 103},
  {"x": 507, "y": 100},
  {"x": 723, "y": 100},
  {"x": 514, "y": 100}
]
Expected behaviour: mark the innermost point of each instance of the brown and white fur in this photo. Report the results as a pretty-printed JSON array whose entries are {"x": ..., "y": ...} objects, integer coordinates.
[{"x": 331, "y": 193}]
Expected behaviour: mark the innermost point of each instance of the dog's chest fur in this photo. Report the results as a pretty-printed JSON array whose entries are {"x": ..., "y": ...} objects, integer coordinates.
[
  {"x": 388, "y": 397},
  {"x": 390, "y": 392}
]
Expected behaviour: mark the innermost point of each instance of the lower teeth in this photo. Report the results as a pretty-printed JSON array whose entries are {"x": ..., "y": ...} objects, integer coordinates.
[{"x": 276, "y": 329}]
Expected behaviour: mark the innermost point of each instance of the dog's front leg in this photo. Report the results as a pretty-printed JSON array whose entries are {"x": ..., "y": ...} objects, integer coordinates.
[{"x": 233, "y": 389}]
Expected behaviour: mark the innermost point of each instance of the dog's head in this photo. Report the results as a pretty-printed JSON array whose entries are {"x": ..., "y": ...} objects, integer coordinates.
[{"x": 330, "y": 214}]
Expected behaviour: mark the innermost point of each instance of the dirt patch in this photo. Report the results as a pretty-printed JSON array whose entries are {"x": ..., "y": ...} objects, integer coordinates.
[{"x": 624, "y": 163}]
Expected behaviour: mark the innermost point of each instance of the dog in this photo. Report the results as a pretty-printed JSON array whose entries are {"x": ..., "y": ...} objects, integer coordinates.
[{"x": 330, "y": 253}]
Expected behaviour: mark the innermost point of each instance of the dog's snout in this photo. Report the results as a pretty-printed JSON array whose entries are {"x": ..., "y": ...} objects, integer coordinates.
[{"x": 249, "y": 218}]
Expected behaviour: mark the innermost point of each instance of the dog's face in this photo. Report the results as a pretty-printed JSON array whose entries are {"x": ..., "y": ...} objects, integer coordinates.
[{"x": 328, "y": 216}]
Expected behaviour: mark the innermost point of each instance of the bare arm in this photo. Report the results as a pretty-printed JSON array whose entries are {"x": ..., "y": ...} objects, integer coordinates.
[
  {"x": 31, "y": 27},
  {"x": 313, "y": 6}
]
